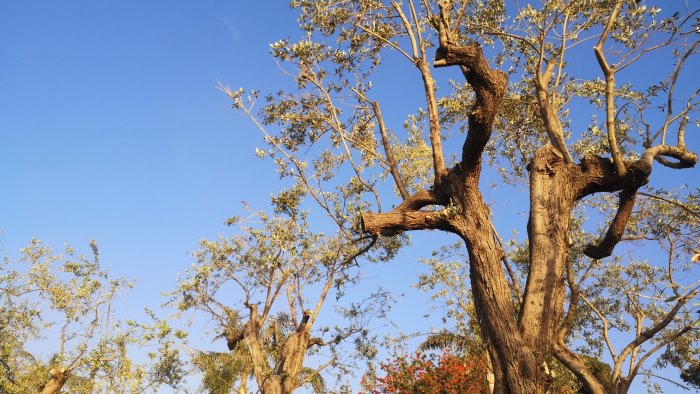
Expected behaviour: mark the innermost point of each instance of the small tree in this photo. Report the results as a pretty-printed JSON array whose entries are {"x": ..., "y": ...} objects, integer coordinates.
[
  {"x": 69, "y": 298},
  {"x": 283, "y": 274}
]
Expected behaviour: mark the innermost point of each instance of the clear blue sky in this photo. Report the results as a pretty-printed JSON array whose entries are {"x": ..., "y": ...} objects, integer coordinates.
[{"x": 111, "y": 129}]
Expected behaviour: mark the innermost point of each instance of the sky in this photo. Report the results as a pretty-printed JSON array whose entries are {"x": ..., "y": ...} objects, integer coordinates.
[{"x": 112, "y": 129}]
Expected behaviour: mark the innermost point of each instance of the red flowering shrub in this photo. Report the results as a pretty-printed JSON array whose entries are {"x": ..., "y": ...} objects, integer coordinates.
[{"x": 420, "y": 374}]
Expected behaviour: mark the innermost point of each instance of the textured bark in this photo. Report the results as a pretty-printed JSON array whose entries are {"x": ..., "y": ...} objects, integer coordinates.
[
  {"x": 56, "y": 382},
  {"x": 576, "y": 365},
  {"x": 514, "y": 364},
  {"x": 284, "y": 377},
  {"x": 518, "y": 342},
  {"x": 552, "y": 198}
]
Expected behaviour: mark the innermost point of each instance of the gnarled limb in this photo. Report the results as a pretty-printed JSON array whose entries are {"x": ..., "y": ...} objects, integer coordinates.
[
  {"x": 407, "y": 216},
  {"x": 489, "y": 86},
  {"x": 685, "y": 158},
  {"x": 617, "y": 227}
]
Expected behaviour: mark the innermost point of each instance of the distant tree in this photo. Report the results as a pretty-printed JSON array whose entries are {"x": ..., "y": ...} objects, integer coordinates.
[
  {"x": 65, "y": 304},
  {"x": 283, "y": 273},
  {"x": 577, "y": 128}
]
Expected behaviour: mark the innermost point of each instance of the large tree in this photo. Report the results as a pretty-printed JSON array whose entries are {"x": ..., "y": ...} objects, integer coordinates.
[{"x": 532, "y": 84}]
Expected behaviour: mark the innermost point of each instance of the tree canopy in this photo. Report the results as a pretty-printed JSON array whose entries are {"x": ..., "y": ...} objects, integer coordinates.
[{"x": 583, "y": 131}]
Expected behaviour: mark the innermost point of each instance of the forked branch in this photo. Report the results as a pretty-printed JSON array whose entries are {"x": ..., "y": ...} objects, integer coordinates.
[{"x": 609, "y": 72}]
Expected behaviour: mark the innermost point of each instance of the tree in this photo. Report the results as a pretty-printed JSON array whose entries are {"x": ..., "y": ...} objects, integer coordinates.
[
  {"x": 283, "y": 273},
  {"x": 420, "y": 373},
  {"x": 518, "y": 114},
  {"x": 221, "y": 370},
  {"x": 70, "y": 299}
]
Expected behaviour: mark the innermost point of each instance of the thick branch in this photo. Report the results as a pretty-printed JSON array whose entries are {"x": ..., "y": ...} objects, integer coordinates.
[
  {"x": 396, "y": 222},
  {"x": 617, "y": 227},
  {"x": 576, "y": 365},
  {"x": 489, "y": 86},
  {"x": 685, "y": 158}
]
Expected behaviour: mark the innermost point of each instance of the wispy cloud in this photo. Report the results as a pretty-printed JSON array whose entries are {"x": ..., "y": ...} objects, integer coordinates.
[{"x": 235, "y": 34}]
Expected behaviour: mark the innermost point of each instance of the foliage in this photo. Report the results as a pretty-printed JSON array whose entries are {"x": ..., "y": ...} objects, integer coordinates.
[
  {"x": 220, "y": 371},
  {"x": 420, "y": 373},
  {"x": 692, "y": 375},
  {"x": 284, "y": 272},
  {"x": 65, "y": 304},
  {"x": 581, "y": 130}
]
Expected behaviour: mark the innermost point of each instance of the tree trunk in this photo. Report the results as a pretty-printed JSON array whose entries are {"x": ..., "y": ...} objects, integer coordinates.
[
  {"x": 294, "y": 352},
  {"x": 517, "y": 344},
  {"x": 515, "y": 366},
  {"x": 284, "y": 378},
  {"x": 272, "y": 385},
  {"x": 57, "y": 381},
  {"x": 552, "y": 197},
  {"x": 243, "y": 388}
]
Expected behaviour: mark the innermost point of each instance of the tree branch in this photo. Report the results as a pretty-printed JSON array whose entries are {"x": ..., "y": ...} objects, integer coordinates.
[
  {"x": 617, "y": 227},
  {"x": 609, "y": 73},
  {"x": 574, "y": 363},
  {"x": 652, "y": 331},
  {"x": 391, "y": 161},
  {"x": 396, "y": 222},
  {"x": 489, "y": 86}
]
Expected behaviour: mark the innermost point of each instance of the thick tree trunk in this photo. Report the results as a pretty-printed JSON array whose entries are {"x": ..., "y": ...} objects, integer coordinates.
[
  {"x": 517, "y": 344},
  {"x": 515, "y": 366},
  {"x": 56, "y": 383},
  {"x": 294, "y": 352},
  {"x": 272, "y": 385},
  {"x": 552, "y": 197}
]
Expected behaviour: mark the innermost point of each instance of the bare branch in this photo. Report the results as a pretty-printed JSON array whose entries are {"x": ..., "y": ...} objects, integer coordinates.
[
  {"x": 606, "y": 327},
  {"x": 409, "y": 29},
  {"x": 652, "y": 331},
  {"x": 391, "y": 161},
  {"x": 609, "y": 73},
  {"x": 672, "y": 88}
]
